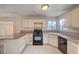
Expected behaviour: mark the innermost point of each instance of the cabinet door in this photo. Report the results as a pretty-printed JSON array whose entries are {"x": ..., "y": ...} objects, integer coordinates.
[
  {"x": 11, "y": 46},
  {"x": 6, "y": 29},
  {"x": 14, "y": 46},
  {"x": 53, "y": 40},
  {"x": 71, "y": 48},
  {"x": 45, "y": 38},
  {"x": 22, "y": 44},
  {"x": 68, "y": 18},
  {"x": 75, "y": 18},
  {"x": 29, "y": 38}
]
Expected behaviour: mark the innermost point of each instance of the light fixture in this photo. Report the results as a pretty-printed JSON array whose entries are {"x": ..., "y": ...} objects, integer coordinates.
[{"x": 45, "y": 7}]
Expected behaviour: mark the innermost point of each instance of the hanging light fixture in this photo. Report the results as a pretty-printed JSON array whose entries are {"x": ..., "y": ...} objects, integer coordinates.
[{"x": 45, "y": 7}]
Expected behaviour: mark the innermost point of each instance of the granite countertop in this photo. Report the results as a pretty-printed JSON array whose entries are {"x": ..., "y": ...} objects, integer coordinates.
[
  {"x": 22, "y": 33},
  {"x": 17, "y": 35},
  {"x": 69, "y": 36}
]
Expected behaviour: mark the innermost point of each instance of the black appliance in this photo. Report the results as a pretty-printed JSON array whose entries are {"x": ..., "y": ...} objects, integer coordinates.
[
  {"x": 62, "y": 44},
  {"x": 37, "y": 37}
]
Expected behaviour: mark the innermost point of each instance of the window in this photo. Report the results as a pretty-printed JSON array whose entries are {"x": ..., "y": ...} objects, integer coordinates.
[
  {"x": 61, "y": 24},
  {"x": 51, "y": 24}
]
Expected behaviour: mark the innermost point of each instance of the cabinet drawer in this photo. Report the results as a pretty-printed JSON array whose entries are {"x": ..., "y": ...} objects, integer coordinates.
[
  {"x": 52, "y": 36},
  {"x": 53, "y": 40},
  {"x": 72, "y": 44}
]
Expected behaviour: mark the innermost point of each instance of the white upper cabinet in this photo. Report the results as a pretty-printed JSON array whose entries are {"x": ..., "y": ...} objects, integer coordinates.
[
  {"x": 28, "y": 24},
  {"x": 9, "y": 26},
  {"x": 67, "y": 20},
  {"x": 6, "y": 29},
  {"x": 72, "y": 18},
  {"x": 75, "y": 18}
]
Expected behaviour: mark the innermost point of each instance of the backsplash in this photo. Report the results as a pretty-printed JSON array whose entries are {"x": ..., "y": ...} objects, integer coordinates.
[{"x": 72, "y": 30}]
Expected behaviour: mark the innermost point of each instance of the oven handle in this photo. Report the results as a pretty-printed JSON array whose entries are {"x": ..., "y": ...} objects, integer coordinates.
[{"x": 64, "y": 43}]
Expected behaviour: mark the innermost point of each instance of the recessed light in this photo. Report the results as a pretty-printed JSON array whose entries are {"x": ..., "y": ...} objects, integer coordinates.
[{"x": 45, "y": 7}]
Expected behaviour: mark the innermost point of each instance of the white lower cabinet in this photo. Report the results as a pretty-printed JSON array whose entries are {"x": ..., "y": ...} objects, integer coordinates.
[
  {"x": 72, "y": 48},
  {"x": 45, "y": 38},
  {"x": 22, "y": 43},
  {"x": 29, "y": 38},
  {"x": 53, "y": 40},
  {"x": 14, "y": 46}
]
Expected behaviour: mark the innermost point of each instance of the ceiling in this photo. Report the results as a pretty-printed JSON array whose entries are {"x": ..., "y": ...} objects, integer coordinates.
[{"x": 33, "y": 9}]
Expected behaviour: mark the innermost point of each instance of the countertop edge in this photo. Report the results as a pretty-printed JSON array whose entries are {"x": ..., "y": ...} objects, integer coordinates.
[{"x": 70, "y": 38}]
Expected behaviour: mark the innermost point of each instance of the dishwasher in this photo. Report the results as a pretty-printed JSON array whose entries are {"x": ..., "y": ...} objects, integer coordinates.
[{"x": 62, "y": 44}]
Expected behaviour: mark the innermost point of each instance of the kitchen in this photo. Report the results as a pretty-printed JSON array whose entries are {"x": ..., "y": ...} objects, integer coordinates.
[{"x": 59, "y": 30}]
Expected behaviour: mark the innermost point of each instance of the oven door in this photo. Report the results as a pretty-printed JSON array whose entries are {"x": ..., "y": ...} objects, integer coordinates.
[{"x": 37, "y": 38}]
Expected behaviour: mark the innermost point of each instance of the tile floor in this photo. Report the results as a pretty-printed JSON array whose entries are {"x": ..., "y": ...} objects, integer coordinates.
[{"x": 41, "y": 49}]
